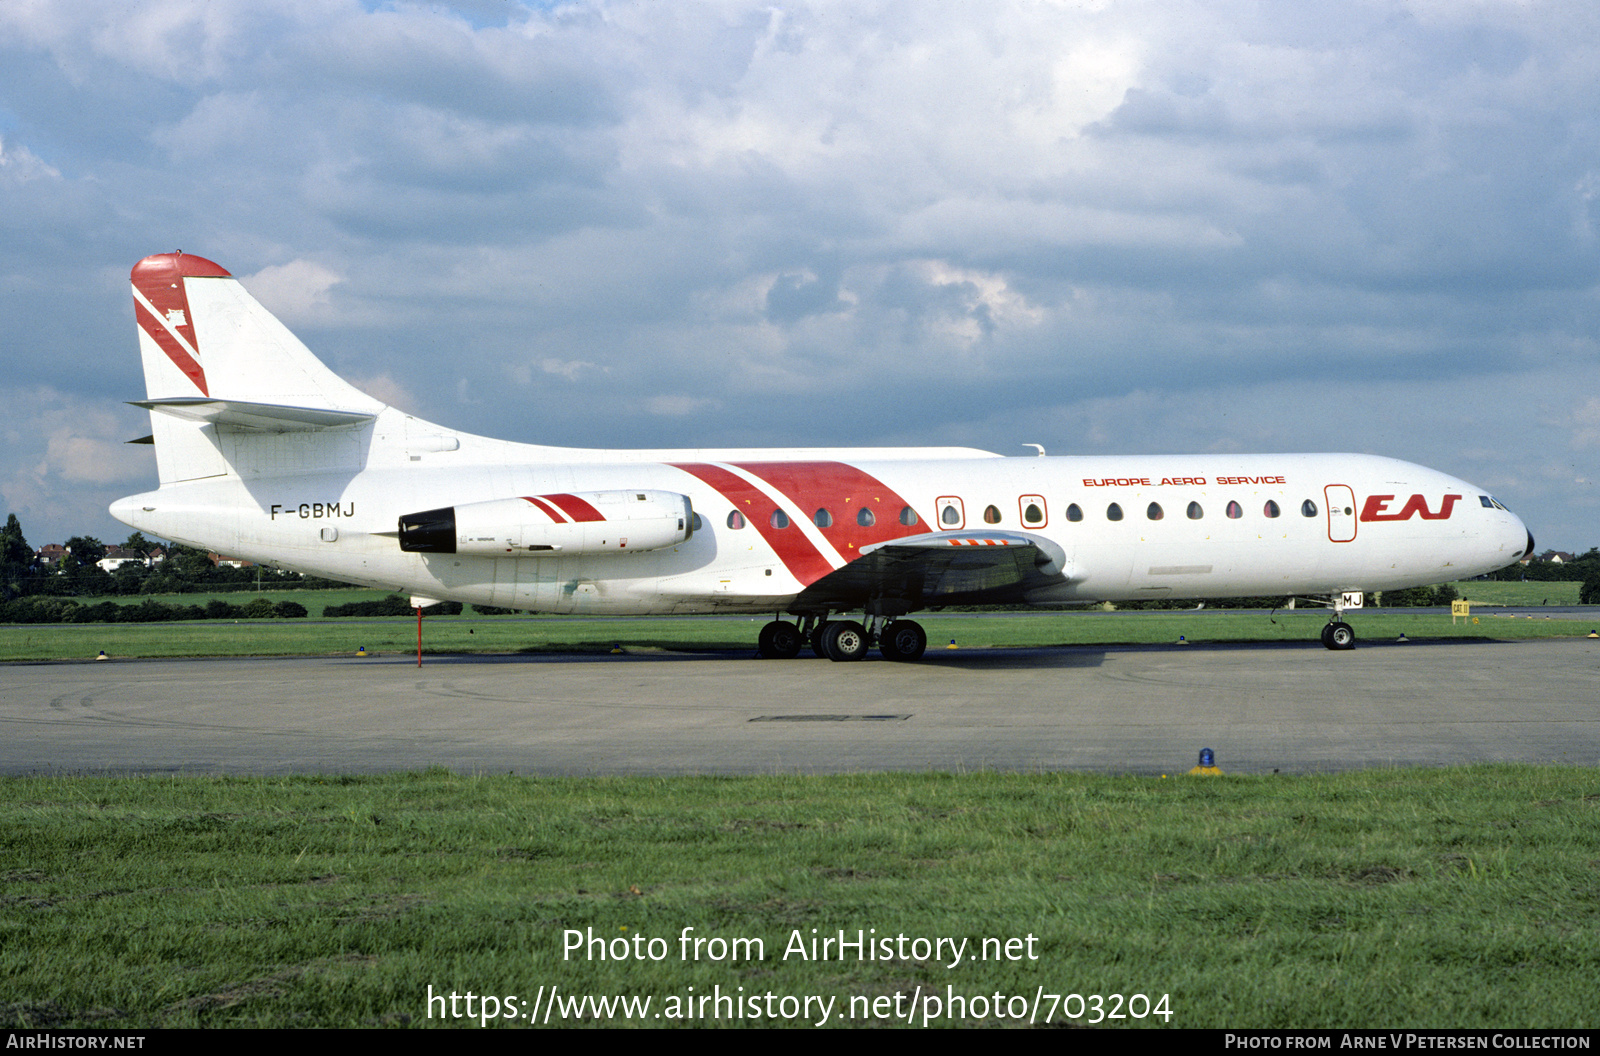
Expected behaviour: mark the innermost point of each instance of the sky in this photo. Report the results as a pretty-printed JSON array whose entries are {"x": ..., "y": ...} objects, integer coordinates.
[{"x": 1105, "y": 227}]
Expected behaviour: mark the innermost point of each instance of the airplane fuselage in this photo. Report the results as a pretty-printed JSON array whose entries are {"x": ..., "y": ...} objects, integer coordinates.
[{"x": 1130, "y": 527}]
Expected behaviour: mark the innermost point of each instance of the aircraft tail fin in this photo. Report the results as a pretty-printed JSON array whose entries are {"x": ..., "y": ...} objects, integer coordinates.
[{"x": 217, "y": 363}]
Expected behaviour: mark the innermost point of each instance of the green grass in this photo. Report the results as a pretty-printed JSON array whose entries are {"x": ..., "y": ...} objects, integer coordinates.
[
  {"x": 506, "y": 634},
  {"x": 1490, "y": 592},
  {"x": 1466, "y": 897}
]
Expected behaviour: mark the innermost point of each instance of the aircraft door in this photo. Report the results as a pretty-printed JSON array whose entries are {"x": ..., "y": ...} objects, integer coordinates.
[{"x": 1341, "y": 502}]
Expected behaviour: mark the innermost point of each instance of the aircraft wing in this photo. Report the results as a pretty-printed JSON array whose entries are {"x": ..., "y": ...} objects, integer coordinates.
[{"x": 941, "y": 568}]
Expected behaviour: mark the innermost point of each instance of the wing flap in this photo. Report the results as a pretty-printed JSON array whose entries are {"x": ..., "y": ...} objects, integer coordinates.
[{"x": 940, "y": 568}]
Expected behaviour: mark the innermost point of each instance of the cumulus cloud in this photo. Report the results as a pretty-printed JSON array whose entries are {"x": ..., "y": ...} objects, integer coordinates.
[
  {"x": 18, "y": 165},
  {"x": 295, "y": 292},
  {"x": 878, "y": 222}
]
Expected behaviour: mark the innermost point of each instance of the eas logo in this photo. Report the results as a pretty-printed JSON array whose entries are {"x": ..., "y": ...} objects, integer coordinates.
[{"x": 1377, "y": 504}]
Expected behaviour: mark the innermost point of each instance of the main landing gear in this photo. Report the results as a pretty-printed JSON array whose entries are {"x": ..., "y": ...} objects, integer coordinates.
[{"x": 843, "y": 640}]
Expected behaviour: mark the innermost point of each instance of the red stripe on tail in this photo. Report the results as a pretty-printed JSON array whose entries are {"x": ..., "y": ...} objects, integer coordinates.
[
  {"x": 161, "y": 279},
  {"x": 177, "y": 353}
]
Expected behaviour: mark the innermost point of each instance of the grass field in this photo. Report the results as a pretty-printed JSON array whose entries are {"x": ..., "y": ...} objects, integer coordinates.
[
  {"x": 1489, "y": 592},
  {"x": 507, "y": 634},
  {"x": 1420, "y": 898}
]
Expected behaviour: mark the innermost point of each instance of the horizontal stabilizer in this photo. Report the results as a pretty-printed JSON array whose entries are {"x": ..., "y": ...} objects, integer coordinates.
[{"x": 255, "y": 417}]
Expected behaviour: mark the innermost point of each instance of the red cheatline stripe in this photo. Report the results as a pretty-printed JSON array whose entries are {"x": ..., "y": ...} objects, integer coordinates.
[
  {"x": 576, "y": 508},
  {"x": 844, "y": 491},
  {"x": 803, "y": 560},
  {"x": 175, "y": 352},
  {"x": 549, "y": 510}
]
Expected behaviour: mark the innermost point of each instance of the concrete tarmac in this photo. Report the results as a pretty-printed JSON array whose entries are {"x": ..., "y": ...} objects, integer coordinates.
[{"x": 1292, "y": 707}]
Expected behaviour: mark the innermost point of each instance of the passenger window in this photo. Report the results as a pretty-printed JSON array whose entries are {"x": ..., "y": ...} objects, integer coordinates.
[
  {"x": 1270, "y": 509},
  {"x": 1113, "y": 512},
  {"x": 1153, "y": 511},
  {"x": 1235, "y": 511},
  {"x": 950, "y": 515},
  {"x": 1032, "y": 507},
  {"x": 823, "y": 519},
  {"x": 1308, "y": 508},
  {"x": 735, "y": 519},
  {"x": 1033, "y": 514},
  {"x": 908, "y": 516},
  {"x": 991, "y": 515},
  {"x": 865, "y": 518},
  {"x": 779, "y": 519},
  {"x": 1195, "y": 512},
  {"x": 1074, "y": 513}
]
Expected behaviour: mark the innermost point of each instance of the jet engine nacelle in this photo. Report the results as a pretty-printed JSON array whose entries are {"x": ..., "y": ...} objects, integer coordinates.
[{"x": 589, "y": 522}]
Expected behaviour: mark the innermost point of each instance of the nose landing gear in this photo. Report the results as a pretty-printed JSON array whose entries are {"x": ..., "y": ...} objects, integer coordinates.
[{"x": 1338, "y": 635}]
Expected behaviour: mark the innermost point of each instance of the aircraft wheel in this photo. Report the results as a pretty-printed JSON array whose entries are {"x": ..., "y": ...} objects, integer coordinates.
[
  {"x": 780, "y": 640},
  {"x": 817, "y": 634},
  {"x": 903, "y": 640},
  {"x": 844, "y": 640},
  {"x": 1339, "y": 636}
]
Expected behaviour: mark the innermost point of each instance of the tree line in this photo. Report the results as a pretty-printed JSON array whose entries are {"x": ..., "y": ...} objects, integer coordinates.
[{"x": 183, "y": 570}]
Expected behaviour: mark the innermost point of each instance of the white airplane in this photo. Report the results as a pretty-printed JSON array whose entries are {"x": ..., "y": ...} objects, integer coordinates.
[{"x": 266, "y": 454}]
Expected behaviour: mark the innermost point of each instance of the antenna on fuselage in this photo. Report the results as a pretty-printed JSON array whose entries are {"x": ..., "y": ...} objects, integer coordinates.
[{"x": 1037, "y": 447}]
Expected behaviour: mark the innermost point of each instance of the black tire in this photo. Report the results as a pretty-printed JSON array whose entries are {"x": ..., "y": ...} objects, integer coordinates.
[
  {"x": 1340, "y": 636},
  {"x": 780, "y": 640},
  {"x": 1326, "y": 630},
  {"x": 815, "y": 641},
  {"x": 903, "y": 640},
  {"x": 844, "y": 640}
]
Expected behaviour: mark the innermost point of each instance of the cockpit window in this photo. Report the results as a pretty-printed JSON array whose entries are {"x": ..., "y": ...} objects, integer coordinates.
[{"x": 1490, "y": 502}]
